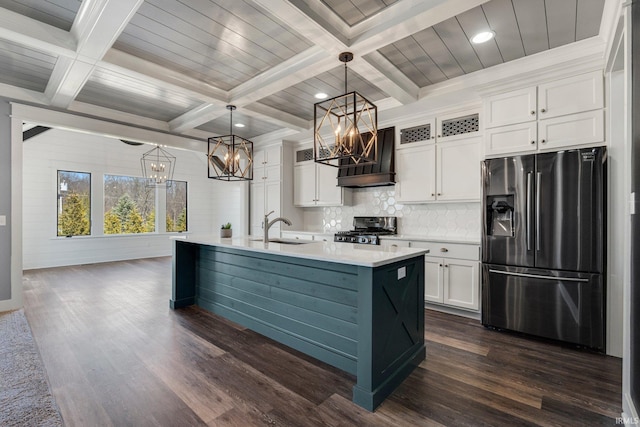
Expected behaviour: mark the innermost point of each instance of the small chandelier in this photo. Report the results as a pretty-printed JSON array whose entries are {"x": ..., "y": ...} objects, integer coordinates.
[
  {"x": 230, "y": 157},
  {"x": 345, "y": 128},
  {"x": 157, "y": 167}
]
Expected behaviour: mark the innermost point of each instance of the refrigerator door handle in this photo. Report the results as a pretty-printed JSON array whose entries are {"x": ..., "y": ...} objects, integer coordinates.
[
  {"x": 528, "y": 208},
  {"x": 538, "y": 276},
  {"x": 538, "y": 179}
]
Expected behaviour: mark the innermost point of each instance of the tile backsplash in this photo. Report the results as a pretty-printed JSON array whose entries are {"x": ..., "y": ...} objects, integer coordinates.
[{"x": 438, "y": 220}]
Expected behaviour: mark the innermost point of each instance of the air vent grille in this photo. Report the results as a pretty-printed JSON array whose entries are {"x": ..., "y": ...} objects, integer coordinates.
[
  {"x": 304, "y": 155},
  {"x": 307, "y": 155},
  {"x": 461, "y": 125},
  {"x": 415, "y": 134}
]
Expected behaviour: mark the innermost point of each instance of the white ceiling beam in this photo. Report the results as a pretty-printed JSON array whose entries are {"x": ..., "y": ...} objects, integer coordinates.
[
  {"x": 197, "y": 116},
  {"x": 294, "y": 16},
  {"x": 78, "y": 123},
  {"x": 290, "y": 72},
  {"x": 403, "y": 19},
  {"x": 277, "y": 117},
  {"x": 137, "y": 68},
  {"x": 21, "y": 94},
  {"x": 96, "y": 27},
  {"x": 301, "y": 67},
  {"x": 36, "y": 35},
  {"x": 383, "y": 74}
]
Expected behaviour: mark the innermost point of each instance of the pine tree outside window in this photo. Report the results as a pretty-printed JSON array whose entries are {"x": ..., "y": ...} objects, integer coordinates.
[
  {"x": 177, "y": 206},
  {"x": 74, "y": 203},
  {"x": 129, "y": 205}
]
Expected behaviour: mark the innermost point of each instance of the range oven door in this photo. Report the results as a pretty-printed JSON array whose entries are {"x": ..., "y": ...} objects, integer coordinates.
[{"x": 560, "y": 305}]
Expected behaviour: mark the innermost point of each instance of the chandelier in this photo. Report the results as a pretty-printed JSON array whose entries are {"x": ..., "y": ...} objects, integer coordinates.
[
  {"x": 345, "y": 128},
  {"x": 157, "y": 167},
  {"x": 230, "y": 157}
]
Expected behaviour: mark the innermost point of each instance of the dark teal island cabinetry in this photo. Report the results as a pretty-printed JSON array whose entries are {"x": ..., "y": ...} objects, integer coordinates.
[{"x": 362, "y": 312}]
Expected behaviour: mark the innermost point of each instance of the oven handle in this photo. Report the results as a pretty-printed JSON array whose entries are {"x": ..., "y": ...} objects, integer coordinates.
[{"x": 539, "y": 276}]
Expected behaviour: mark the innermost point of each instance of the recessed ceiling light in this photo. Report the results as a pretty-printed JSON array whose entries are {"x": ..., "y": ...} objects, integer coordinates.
[
  {"x": 321, "y": 95},
  {"x": 239, "y": 125},
  {"x": 482, "y": 37}
]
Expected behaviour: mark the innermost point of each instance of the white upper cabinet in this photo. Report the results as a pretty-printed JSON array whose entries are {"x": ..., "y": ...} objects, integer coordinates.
[
  {"x": 416, "y": 174},
  {"x": 441, "y": 168},
  {"x": 518, "y": 106},
  {"x": 575, "y": 94},
  {"x": 553, "y": 115},
  {"x": 315, "y": 184}
]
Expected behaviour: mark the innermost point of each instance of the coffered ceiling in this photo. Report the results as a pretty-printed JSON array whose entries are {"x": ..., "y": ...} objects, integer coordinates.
[{"x": 176, "y": 64}]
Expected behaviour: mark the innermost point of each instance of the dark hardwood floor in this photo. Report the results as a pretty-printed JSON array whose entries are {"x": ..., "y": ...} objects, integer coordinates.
[{"x": 116, "y": 355}]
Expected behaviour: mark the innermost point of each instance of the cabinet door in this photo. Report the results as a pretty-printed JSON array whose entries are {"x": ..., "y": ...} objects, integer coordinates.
[
  {"x": 304, "y": 184},
  {"x": 272, "y": 162},
  {"x": 256, "y": 208},
  {"x": 518, "y": 106},
  {"x": 571, "y": 95},
  {"x": 272, "y": 203},
  {"x": 461, "y": 284},
  {"x": 519, "y": 138},
  {"x": 328, "y": 193},
  {"x": 458, "y": 166},
  {"x": 416, "y": 173},
  {"x": 433, "y": 279},
  {"x": 571, "y": 130}
]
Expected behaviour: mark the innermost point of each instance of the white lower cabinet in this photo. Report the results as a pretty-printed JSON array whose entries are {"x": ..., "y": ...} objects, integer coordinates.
[{"x": 452, "y": 274}]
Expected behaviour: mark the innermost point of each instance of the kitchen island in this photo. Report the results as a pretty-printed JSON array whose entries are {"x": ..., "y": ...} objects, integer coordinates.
[{"x": 359, "y": 308}]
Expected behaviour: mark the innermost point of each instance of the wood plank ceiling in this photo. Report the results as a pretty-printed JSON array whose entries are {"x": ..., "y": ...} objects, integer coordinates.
[{"x": 180, "y": 62}]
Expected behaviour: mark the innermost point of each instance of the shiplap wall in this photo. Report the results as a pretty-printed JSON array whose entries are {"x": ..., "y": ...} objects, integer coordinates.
[{"x": 210, "y": 202}]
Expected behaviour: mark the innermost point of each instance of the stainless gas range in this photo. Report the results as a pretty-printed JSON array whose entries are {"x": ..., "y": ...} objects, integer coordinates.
[{"x": 367, "y": 229}]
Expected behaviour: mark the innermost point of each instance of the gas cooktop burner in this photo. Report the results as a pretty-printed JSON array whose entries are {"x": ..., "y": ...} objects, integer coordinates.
[{"x": 367, "y": 229}]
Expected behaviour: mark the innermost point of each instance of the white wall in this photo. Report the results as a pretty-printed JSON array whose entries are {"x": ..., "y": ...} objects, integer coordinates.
[{"x": 210, "y": 202}]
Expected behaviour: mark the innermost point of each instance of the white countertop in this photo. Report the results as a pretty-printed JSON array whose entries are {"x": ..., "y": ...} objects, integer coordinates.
[
  {"x": 344, "y": 253},
  {"x": 464, "y": 240},
  {"x": 415, "y": 237}
]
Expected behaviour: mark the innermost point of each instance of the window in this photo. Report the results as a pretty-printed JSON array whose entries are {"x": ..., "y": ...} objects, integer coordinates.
[
  {"x": 129, "y": 205},
  {"x": 74, "y": 203},
  {"x": 177, "y": 206}
]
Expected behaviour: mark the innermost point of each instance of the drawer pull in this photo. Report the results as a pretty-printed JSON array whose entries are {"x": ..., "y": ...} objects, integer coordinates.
[
  {"x": 394, "y": 246},
  {"x": 444, "y": 250}
]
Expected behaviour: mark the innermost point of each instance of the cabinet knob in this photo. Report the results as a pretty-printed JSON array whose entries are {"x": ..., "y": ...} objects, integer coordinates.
[
  {"x": 439, "y": 136},
  {"x": 533, "y": 142},
  {"x": 543, "y": 110},
  {"x": 432, "y": 194},
  {"x": 544, "y": 141},
  {"x": 440, "y": 265},
  {"x": 444, "y": 250},
  {"x": 446, "y": 265},
  {"x": 533, "y": 113},
  {"x": 439, "y": 194}
]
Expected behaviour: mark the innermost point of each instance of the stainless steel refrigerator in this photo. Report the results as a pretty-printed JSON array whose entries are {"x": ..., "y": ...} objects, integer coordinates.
[{"x": 543, "y": 245}]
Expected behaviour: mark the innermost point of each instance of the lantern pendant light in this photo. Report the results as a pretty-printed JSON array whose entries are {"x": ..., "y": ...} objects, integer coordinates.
[
  {"x": 230, "y": 157},
  {"x": 345, "y": 128}
]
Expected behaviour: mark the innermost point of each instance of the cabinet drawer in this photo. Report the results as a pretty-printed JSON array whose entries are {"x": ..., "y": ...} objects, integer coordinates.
[
  {"x": 323, "y": 237},
  {"x": 294, "y": 235},
  {"x": 450, "y": 250},
  {"x": 389, "y": 243}
]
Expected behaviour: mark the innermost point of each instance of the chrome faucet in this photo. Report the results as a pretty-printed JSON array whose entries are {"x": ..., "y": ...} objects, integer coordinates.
[{"x": 267, "y": 224}]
